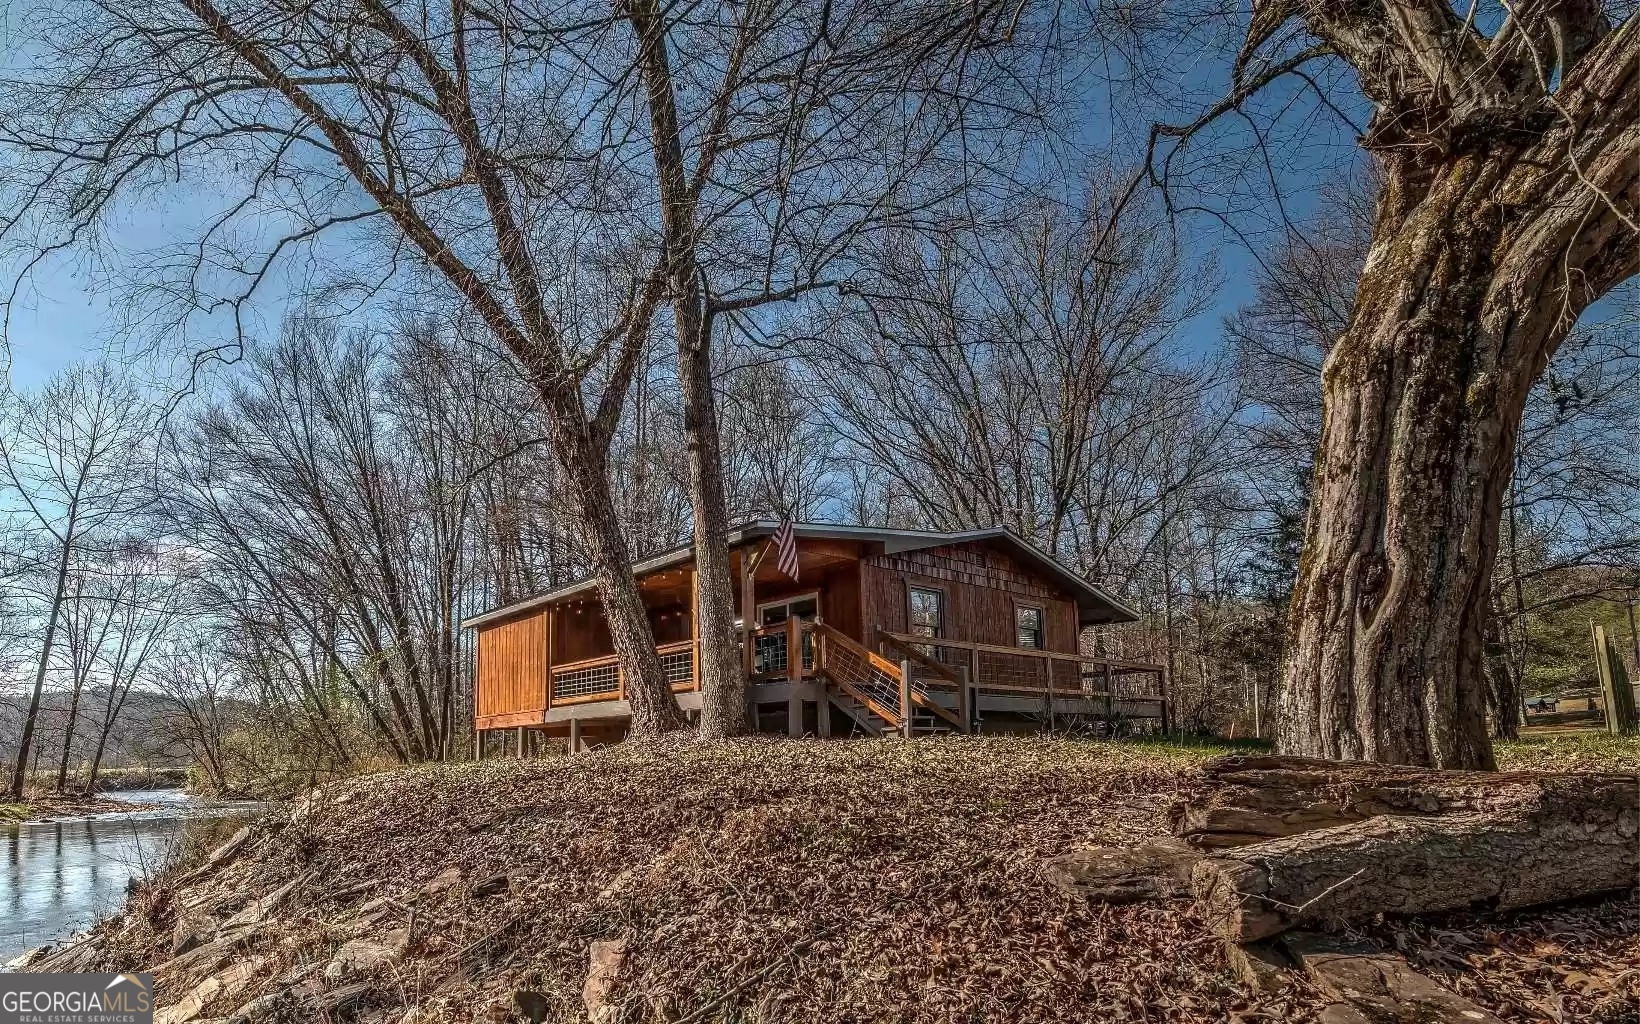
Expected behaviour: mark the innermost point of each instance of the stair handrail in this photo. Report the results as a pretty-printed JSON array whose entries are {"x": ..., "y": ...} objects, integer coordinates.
[
  {"x": 829, "y": 635},
  {"x": 910, "y": 653}
]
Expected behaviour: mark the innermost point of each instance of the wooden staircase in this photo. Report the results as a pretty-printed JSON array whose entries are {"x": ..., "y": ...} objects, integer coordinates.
[{"x": 875, "y": 692}]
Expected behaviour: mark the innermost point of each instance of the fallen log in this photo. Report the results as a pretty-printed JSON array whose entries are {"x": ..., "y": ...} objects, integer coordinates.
[
  {"x": 1581, "y": 843},
  {"x": 1252, "y": 799}
]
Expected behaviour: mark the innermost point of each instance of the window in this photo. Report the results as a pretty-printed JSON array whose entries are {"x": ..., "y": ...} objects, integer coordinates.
[
  {"x": 927, "y": 612},
  {"x": 1028, "y": 623}
]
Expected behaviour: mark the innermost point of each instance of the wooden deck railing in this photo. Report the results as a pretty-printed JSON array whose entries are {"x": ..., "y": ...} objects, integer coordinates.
[
  {"x": 596, "y": 679},
  {"x": 921, "y": 662},
  {"x": 998, "y": 669}
]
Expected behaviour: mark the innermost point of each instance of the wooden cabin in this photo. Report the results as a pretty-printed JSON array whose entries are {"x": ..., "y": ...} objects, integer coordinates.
[{"x": 900, "y": 631}]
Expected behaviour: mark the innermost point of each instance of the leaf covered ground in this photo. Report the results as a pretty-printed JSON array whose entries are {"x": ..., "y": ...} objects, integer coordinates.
[{"x": 755, "y": 881}]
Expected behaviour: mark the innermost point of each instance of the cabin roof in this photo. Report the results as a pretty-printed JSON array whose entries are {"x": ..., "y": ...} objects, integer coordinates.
[{"x": 1094, "y": 605}]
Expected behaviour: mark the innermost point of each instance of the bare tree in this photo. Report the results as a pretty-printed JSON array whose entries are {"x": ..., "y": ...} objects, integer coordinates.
[
  {"x": 440, "y": 135},
  {"x": 1033, "y": 380},
  {"x": 1510, "y": 165},
  {"x": 149, "y": 596},
  {"x": 70, "y": 471},
  {"x": 331, "y": 494},
  {"x": 782, "y": 135}
]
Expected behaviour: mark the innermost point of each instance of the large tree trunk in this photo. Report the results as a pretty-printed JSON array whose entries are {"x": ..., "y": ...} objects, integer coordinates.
[
  {"x": 1511, "y": 187},
  {"x": 1462, "y": 300},
  {"x": 722, "y": 675},
  {"x": 722, "y": 672},
  {"x": 654, "y": 709}
]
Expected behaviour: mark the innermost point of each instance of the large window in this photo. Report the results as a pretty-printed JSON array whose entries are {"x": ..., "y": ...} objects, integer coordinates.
[
  {"x": 927, "y": 612},
  {"x": 1028, "y": 624}
]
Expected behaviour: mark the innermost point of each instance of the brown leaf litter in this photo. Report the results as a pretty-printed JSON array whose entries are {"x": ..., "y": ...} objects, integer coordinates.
[{"x": 756, "y": 881}]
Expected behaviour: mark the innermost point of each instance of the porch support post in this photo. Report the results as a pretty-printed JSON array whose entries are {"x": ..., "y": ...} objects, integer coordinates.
[
  {"x": 1167, "y": 717},
  {"x": 965, "y": 699},
  {"x": 694, "y": 628},
  {"x": 794, "y": 711},
  {"x": 574, "y": 736},
  {"x": 905, "y": 698},
  {"x": 794, "y": 648},
  {"x": 822, "y": 708},
  {"x": 552, "y": 621},
  {"x": 748, "y": 608}
]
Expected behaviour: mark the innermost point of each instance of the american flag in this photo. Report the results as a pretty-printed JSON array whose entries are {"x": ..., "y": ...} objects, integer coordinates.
[{"x": 785, "y": 542}]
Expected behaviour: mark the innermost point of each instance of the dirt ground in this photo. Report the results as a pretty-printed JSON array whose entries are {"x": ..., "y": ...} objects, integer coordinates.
[{"x": 770, "y": 882}]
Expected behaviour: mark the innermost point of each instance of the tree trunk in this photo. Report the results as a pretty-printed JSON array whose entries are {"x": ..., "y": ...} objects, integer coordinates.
[
  {"x": 1455, "y": 316},
  {"x": 1255, "y": 798},
  {"x": 1418, "y": 865},
  {"x": 722, "y": 671},
  {"x": 25, "y": 743},
  {"x": 654, "y": 709},
  {"x": 68, "y": 734},
  {"x": 722, "y": 675}
]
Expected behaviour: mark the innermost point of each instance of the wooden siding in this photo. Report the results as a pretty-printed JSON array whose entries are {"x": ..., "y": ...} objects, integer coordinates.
[
  {"x": 839, "y": 588},
  {"x": 512, "y": 668},
  {"x": 581, "y": 632},
  {"x": 982, "y": 588}
]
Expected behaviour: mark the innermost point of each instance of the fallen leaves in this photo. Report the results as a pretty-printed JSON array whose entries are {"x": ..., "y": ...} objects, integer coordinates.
[{"x": 849, "y": 881}]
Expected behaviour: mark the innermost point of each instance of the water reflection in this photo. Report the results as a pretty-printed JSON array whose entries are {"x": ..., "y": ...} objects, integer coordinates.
[{"x": 58, "y": 877}]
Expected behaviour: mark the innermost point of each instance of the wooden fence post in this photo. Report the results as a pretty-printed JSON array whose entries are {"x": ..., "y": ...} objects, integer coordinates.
[{"x": 1615, "y": 690}]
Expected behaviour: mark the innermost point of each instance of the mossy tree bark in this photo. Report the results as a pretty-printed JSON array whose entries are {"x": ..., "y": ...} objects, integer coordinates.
[{"x": 1507, "y": 207}]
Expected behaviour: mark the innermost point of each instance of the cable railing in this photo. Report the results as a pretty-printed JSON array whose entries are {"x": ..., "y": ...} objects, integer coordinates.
[{"x": 601, "y": 678}]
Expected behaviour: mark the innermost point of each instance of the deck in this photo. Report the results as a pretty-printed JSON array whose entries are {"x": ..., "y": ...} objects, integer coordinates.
[{"x": 914, "y": 684}]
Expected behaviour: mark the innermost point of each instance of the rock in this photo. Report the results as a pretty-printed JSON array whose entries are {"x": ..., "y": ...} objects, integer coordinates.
[
  {"x": 230, "y": 983},
  {"x": 534, "y": 1005},
  {"x": 190, "y": 932},
  {"x": 220, "y": 856},
  {"x": 447, "y": 879},
  {"x": 366, "y": 956},
  {"x": 604, "y": 972},
  {"x": 74, "y": 956},
  {"x": 257, "y": 911},
  {"x": 203, "y": 960},
  {"x": 262, "y": 1008},
  {"x": 1379, "y": 987},
  {"x": 30, "y": 958},
  {"x": 1261, "y": 966},
  {"x": 494, "y": 885},
  {"x": 1117, "y": 874},
  {"x": 1341, "y": 1013},
  {"x": 342, "y": 1002}
]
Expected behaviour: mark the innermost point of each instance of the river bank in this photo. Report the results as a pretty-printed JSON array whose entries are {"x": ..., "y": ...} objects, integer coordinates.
[
  {"x": 62, "y": 873},
  {"x": 58, "y": 806},
  {"x": 756, "y": 881}
]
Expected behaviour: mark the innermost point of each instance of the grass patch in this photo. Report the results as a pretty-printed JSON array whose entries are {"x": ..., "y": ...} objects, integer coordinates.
[{"x": 1571, "y": 752}]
